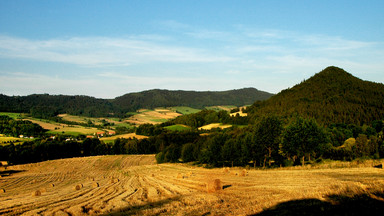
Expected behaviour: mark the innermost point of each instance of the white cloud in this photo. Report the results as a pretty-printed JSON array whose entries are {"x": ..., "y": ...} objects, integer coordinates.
[{"x": 101, "y": 51}]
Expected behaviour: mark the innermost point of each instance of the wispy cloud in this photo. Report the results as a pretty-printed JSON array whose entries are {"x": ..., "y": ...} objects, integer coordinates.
[{"x": 99, "y": 51}]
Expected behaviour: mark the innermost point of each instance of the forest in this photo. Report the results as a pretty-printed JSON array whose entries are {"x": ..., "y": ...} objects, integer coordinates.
[{"x": 331, "y": 96}]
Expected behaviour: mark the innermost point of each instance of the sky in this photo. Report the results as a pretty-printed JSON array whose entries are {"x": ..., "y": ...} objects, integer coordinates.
[{"x": 106, "y": 49}]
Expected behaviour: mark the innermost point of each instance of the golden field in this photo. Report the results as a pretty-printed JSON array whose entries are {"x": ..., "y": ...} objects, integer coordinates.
[
  {"x": 156, "y": 116},
  {"x": 136, "y": 185}
]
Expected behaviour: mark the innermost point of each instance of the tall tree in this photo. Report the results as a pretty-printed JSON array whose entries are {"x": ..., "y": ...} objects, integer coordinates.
[
  {"x": 267, "y": 136},
  {"x": 302, "y": 138}
]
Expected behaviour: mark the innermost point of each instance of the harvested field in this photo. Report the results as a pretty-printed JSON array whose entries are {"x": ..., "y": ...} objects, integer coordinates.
[
  {"x": 125, "y": 136},
  {"x": 156, "y": 116},
  {"x": 135, "y": 185},
  {"x": 47, "y": 124},
  {"x": 84, "y": 120},
  {"x": 214, "y": 125}
]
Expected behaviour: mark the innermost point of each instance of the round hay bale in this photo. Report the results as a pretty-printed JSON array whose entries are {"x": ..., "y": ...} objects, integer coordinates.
[
  {"x": 95, "y": 185},
  {"x": 153, "y": 175},
  {"x": 226, "y": 170},
  {"x": 214, "y": 185},
  {"x": 190, "y": 173},
  {"x": 114, "y": 180},
  {"x": 78, "y": 187},
  {"x": 51, "y": 185},
  {"x": 36, "y": 193},
  {"x": 243, "y": 173},
  {"x": 2, "y": 190},
  {"x": 179, "y": 175}
]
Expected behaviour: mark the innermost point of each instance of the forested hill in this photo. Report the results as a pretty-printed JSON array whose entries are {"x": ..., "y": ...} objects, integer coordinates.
[
  {"x": 44, "y": 105},
  {"x": 331, "y": 96},
  {"x": 199, "y": 100}
]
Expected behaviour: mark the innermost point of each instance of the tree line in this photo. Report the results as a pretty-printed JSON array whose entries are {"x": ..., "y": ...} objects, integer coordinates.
[{"x": 274, "y": 142}]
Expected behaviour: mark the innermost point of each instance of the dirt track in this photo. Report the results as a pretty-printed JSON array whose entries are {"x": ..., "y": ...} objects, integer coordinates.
[{"x": 135, "y": 185}]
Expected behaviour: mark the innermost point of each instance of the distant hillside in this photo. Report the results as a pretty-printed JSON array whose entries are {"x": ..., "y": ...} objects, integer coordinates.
[
  {"x": 194, "y": 99},
  {"x": 44, "y": 105},
  {"x": 331, "y": 96}
]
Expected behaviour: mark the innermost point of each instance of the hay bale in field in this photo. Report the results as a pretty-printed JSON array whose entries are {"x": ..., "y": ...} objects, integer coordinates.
[
  {"x": 95, "y": 185},
  {"x": 226, "y": 170},
  {"x": 51, "y": 185},
  {"x": 243, "y": 173},
  {"x": 114, "y": 180},
  {"x": 36, "y": 193},
  {"x": 190, "y": 174},
  {"x": 153, "y": 175},
  {"x": 179, "y": 175},
  {"x": 2, "y": 190},
  {"x": 214, "y": 185},
  {"x": 78, "y": 187}
]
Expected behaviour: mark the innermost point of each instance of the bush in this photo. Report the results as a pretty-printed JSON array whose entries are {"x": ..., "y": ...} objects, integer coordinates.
[
  {"x": 188, "y": 152},
  {"x": 160, "y": 158}
]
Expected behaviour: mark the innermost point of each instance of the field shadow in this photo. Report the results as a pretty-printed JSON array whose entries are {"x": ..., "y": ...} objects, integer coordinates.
[
  {"x": 226, "y": 186},
  {"x": 360, "y": 204},
  {"x": 9, "y": 172},
  {"x": 133, "y": 210}
]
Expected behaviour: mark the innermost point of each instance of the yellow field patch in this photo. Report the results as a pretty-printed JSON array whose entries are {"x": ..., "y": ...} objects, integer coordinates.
[
  {"x": 47, "y": 125},
  {"x": 156, "y": 116},
  {"x": 5, "y": 140},
  {"x": 125, "y": 136},
  {"x": 84, "y": 120},
  {"x": 77, "y": 129},
  {"x": 214, "y": 125},
  {"x": 240, "y": 114}
]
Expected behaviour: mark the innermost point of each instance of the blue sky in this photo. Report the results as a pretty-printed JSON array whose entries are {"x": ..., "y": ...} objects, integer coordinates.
[{"x": 108, "y": 48}]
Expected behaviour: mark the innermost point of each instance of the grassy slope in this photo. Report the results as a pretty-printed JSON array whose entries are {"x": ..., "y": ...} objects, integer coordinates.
[
  {"x": 184, "y": 110},
  {"x": 178, "y": 127},
  {"x": 13, "y": 115}
]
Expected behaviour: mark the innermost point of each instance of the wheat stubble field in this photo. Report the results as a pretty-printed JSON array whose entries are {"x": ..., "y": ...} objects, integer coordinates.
[{"x": 136, "y": 185}]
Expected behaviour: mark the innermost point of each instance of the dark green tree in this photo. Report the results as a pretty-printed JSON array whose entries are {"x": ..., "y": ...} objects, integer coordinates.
[
  {"x": 267, "y": 137},
  {"x": 188, "y": 152},
  {"x": 302, "y": 138}
]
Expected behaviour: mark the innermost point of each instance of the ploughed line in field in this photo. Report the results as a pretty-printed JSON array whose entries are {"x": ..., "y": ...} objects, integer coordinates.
[
  {"x": 74, "y": 200},
  {"x": 183, "y": 182},
  {"x": 160, "y": 190}
]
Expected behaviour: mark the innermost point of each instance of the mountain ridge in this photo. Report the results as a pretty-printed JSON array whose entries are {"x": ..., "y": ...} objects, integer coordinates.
[{"x": 52, "y": 105}]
